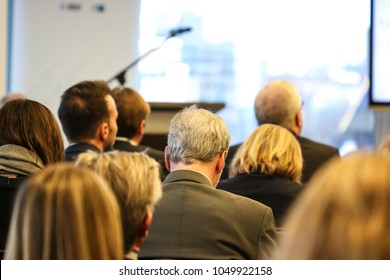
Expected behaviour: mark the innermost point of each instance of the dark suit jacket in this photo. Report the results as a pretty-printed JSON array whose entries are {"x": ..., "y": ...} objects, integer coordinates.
[
  {"x": 122, "y": 145},
  {"x": 8, "y": 190},
  {"x": 275, "y": 192},
  {"x": 74, "y": 150},
  {"x": 193, "y": 220},
  {"x": 314, "y": 155}
]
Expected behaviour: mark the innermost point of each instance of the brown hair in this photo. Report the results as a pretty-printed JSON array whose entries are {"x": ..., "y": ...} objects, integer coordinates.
[
  {"x": 132, "y": 109},
  {"x": 30, "y": 124},
  {"x": 83, "y": 108}
]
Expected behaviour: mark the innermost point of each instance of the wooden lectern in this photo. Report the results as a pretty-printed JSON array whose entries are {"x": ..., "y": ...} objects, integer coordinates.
[{"x": 157, "y": 125}]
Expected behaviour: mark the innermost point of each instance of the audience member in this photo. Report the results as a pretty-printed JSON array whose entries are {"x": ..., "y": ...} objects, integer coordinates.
[
  {"x": 30, "y": 139},
  {"x": 343, "y": 213},
  {"x": 267, "y": 168},
  {"x": 194, "y": 220},
  {"x": 135, "y": 180},
  {"x": 280, "y": 103},
  {"x": 133, "y": 111},
  {"x": 88, "y": 116},
  {"x": 11, "y": 96},
  {"x": 65, "y": 213}
]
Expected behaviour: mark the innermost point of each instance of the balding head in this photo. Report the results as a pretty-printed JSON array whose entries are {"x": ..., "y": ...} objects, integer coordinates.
[
  {"x": 11, "y": 96},
  {"x": 279, "y": 103}
]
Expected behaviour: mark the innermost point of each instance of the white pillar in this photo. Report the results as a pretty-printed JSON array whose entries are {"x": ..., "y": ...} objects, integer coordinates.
[{"x": 3, "y": 46}]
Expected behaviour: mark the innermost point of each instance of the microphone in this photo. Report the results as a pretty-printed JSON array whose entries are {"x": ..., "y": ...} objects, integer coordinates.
[
  {"x": 121, "y": 75},
  {"x": 179, "y": 30}
]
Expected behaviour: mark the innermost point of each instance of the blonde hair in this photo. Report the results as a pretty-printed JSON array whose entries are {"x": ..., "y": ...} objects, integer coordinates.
[
  {"x": 343, "y": 212},
  {"x": 64, "y": 212},
  {"x": 270, "y": 150},
  {"x": 135, "y": 180}
]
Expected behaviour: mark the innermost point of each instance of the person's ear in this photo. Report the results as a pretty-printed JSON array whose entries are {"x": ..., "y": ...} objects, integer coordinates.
[
  {"x": 104, "y": 130},
  {"x": 141, "y": 128},
  {"x": 298, "y": 122},
  {"x": 143, "y": 232},
  {"x": 221, "y": 162},
  {"x": 167, "y": 161}
]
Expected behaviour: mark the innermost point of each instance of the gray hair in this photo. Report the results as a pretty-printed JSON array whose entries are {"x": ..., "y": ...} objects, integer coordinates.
[
  {"x": 277, "y": 103},
  {"x": 135, "y": 181},
  {"x": 196, "y": 134}
]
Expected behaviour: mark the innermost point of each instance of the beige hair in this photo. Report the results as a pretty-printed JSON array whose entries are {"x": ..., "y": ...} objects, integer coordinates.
[
  {"x": 343, "y": 212},
  {"x": 196, "y": 134},
  {"x": 135, "y": 180},
  {"x": 270, "y": 150},
  {"x": 64, "y": 212},
  {"x": 277, "y": 103}
]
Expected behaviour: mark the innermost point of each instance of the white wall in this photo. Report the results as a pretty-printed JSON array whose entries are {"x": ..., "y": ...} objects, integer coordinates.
[{"x": 55, "y": 45}]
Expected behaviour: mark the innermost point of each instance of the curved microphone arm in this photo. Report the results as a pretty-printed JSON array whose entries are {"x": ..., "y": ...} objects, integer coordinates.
[{"x": 121, "y": 75}]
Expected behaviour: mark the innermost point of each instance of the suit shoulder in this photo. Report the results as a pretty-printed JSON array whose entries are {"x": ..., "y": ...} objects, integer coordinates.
[
  {"x": 241, "y": 201},
  {"x": 306, "y": 142},
  {"x": 152, "y": 151}
]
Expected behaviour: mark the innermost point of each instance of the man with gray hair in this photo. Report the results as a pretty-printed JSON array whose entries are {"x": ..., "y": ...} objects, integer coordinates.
[
  {"x": 279, "y": 103},
  {"x": 193, "y": 219}
]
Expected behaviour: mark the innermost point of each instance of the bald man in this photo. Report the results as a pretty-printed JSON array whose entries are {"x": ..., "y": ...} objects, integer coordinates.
[{"x": 279, "y": 103}]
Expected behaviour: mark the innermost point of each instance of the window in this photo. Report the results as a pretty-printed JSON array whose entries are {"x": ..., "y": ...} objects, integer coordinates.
[{"x": 235, "y": 47}]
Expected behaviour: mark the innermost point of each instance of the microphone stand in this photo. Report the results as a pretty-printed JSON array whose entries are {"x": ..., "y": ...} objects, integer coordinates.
[{"x": 121, "y": 75}]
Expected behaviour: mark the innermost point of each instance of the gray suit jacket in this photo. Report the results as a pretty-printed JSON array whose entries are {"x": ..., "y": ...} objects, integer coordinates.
[{"x": 194, "y": 220}]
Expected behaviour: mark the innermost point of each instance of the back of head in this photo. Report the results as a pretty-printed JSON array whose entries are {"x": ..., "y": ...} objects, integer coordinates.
[
  {"x": 135, "y": 180},
  {"x": 270, "y": 150},
  {"x": 83, "y": 108},
  {"x": 277, "y": 103},
  {"x": 11, "y": 96},
  {"x": 132, "y": 110},
  {"x": 343, "y": 212},
  {"x": 196, "y": 134},
  {"x": 30, "y": 124},
  {"x": 65, "y": 212}
]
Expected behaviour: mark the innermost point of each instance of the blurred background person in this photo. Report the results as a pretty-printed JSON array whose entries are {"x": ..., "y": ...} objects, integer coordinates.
[
  {"x": 279, "y": 103},
  {"x": 11, "y": 96},
  {"x": 267, "y": 168},
  {"x": 133, "y": 111},
  {"x": 193, "y": 220},
  {"x": 65, "y": 213},
  {"x": 135, "y": 181},
  {"x": 343, "y": 213},
  {"x": 30, "y": 139}
]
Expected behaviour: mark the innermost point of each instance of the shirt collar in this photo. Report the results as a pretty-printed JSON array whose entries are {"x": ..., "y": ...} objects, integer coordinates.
[{"x": 125, "y": 139}]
